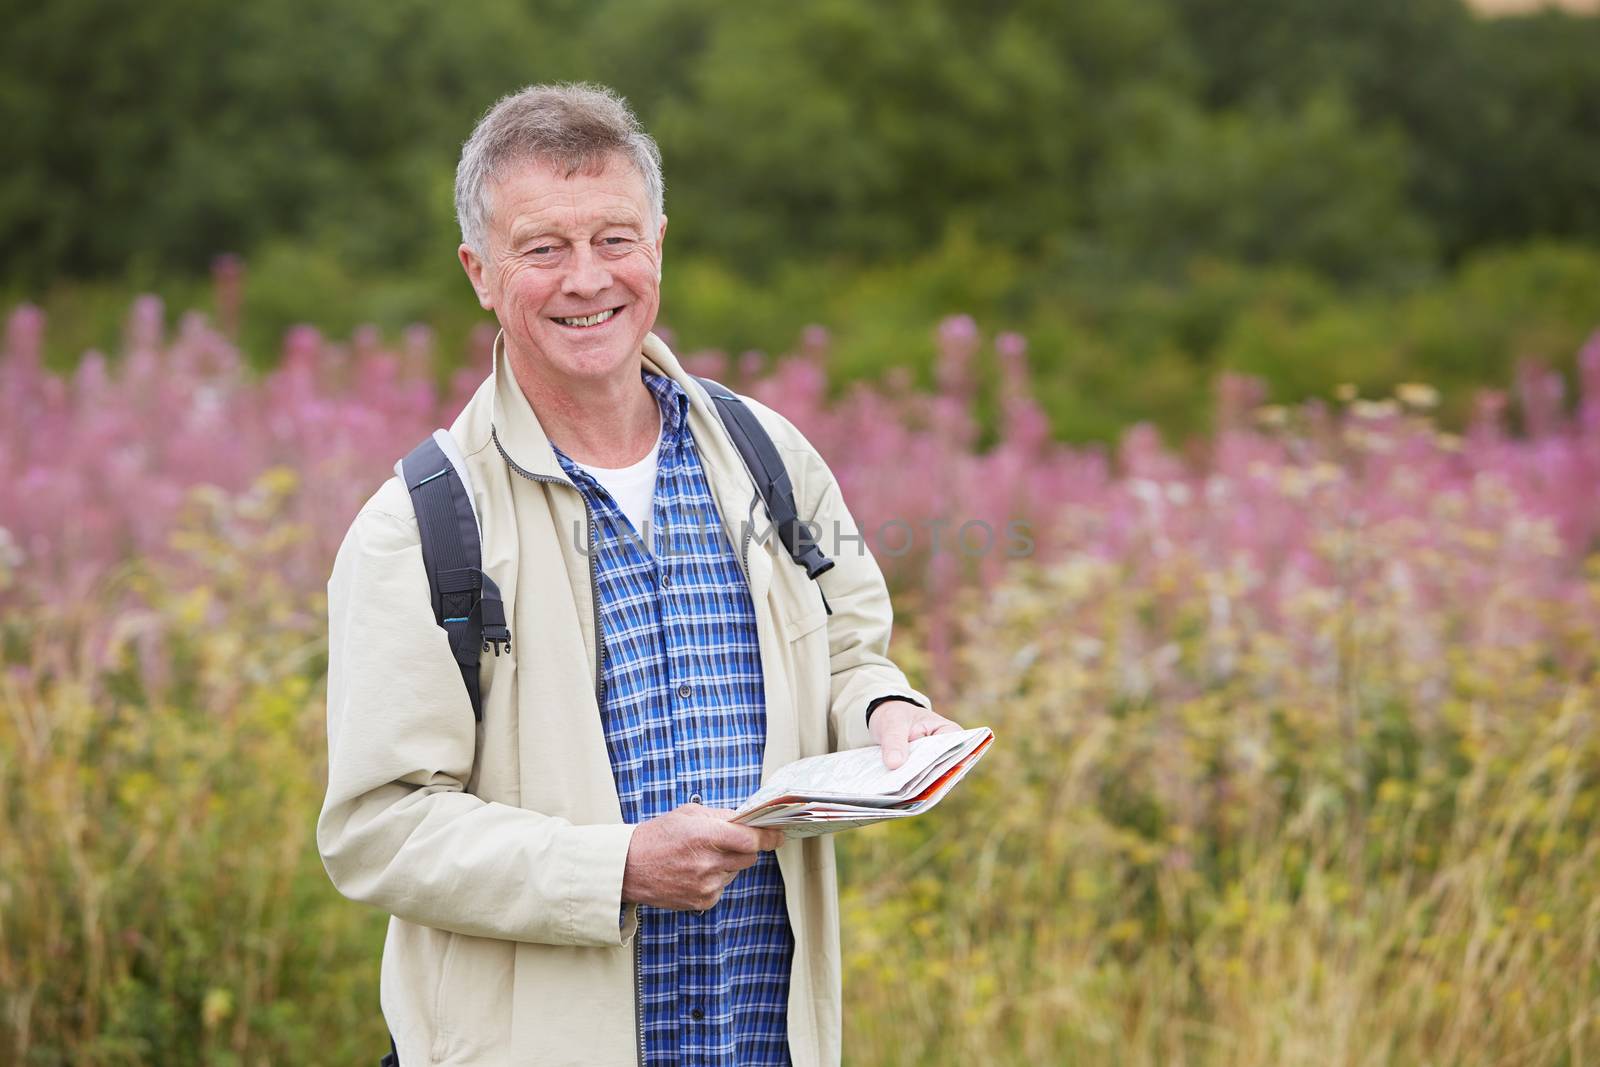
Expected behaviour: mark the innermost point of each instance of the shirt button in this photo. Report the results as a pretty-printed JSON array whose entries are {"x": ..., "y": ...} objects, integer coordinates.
[
  {"x": 666, "y": 579},
  {"x": 697, "y": 1015},
  {"x": 695, "y": 799},
  {"x": 685, "y": 690}
]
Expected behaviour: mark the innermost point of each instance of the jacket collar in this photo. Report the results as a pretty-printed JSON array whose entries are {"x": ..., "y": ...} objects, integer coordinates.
[{"x": 524, "y": 444}]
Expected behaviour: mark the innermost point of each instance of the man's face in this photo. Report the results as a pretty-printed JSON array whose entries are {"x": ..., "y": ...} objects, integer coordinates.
[{"x": 562, "y": 249}]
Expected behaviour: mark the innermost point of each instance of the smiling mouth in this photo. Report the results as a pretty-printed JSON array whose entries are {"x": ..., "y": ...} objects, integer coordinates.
[{"x": 586, "y": 322}]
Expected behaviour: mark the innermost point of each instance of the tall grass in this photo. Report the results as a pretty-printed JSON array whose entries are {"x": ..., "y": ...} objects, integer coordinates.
[
  {"x": 1298, "y": 754},
  {"x": 1201, "y": 841}
]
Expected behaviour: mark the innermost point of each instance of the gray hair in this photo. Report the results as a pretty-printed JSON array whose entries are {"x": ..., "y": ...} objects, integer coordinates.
[{"x": 573, "y": 126}]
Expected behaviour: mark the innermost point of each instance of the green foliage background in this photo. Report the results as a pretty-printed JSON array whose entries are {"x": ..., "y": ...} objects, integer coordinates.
[{"x": 1151, "y": 190}]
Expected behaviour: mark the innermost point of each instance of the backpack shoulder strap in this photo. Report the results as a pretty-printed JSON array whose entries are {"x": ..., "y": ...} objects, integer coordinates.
[
  {"x": 771, "y": 476},
  {"x": 466, "y": 601}
]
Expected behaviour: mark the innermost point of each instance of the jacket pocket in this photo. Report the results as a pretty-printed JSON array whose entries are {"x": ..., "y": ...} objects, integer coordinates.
[
  {"x": 803, "y": 723},
  {"x": 805, "y": 623},
  {"x": 473, "y": 1001}
]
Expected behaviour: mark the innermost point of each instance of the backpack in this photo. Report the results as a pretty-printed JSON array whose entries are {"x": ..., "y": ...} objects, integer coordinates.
[{"x": 466, "y": 601}]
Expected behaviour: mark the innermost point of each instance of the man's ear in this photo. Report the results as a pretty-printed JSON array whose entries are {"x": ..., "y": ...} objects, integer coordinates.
[
  {"x": 474, "y": 268},
  {"x": 661, "y": 239}
]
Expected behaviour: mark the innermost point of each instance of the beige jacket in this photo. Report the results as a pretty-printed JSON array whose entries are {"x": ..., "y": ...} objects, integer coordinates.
[{"x": 499, "y": 847}]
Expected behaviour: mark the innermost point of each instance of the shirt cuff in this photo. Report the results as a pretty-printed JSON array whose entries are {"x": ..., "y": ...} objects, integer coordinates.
[{"x": 872, "y": 705}]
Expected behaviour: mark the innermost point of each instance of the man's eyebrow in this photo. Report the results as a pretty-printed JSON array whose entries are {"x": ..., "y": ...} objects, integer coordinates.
[{"x": 529, "y": 231}]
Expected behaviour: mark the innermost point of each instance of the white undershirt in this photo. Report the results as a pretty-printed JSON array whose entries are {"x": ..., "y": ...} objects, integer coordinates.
[{"x": 633, "y": 488}]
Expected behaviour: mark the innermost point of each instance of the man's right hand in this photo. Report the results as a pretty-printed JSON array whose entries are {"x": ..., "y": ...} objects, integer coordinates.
[{"x": 684, "y": 859}]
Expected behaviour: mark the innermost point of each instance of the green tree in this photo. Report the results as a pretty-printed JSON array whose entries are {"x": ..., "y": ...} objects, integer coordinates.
[
  {"x": 870, "y": 129},
  {"x": 165, "y": 133},
  {"x": 1502, "y": 115},
  {"x": 1261, "y": 186}
]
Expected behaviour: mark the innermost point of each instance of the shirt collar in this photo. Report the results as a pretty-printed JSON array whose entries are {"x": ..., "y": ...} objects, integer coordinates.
[
  {"x": 522, "y": 440},
  {"x": 673, "y": 401}
]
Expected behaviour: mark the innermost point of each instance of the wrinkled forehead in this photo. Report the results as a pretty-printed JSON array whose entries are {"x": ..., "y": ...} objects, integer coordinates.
[{"x": 604, "y": 182}]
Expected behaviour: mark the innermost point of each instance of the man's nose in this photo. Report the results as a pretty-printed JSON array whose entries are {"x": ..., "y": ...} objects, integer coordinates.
[{"x": 586, "y": 275}]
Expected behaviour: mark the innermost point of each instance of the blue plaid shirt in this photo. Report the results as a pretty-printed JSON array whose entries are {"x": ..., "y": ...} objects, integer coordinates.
[{"x": 685, "y": 721}]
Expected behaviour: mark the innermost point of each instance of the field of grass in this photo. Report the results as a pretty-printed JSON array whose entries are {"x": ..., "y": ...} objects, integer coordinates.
[{"x": 1298, "y": 747}]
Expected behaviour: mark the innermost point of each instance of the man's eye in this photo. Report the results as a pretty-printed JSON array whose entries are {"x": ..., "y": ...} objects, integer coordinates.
[
  {"x": 543, "y": 250},
  {"x": 616, "y": 240}
]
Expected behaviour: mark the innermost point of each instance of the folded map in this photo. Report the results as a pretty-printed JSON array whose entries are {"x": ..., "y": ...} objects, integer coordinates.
[{"x": 826, "y": 794}]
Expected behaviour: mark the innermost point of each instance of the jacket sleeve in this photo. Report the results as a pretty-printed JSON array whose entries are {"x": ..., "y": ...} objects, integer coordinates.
[
  {"x": 398, "y": 829},
  {"x": 859, "y": 627}
]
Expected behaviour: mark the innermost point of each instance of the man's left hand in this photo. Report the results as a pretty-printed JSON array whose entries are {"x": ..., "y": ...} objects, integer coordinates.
[{"x": 897, "y": 723}]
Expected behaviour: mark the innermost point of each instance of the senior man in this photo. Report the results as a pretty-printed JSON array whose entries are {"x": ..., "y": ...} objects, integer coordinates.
[{"x": 565, "y": 884}]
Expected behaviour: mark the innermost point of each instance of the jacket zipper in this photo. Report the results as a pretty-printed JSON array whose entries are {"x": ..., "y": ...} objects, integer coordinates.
[
  {"x": 744, "y": 554},
  {"x": 594, "y": 580},
  {"x": 599, "y": 688},
  {"x": 638, "y": 1011}
]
